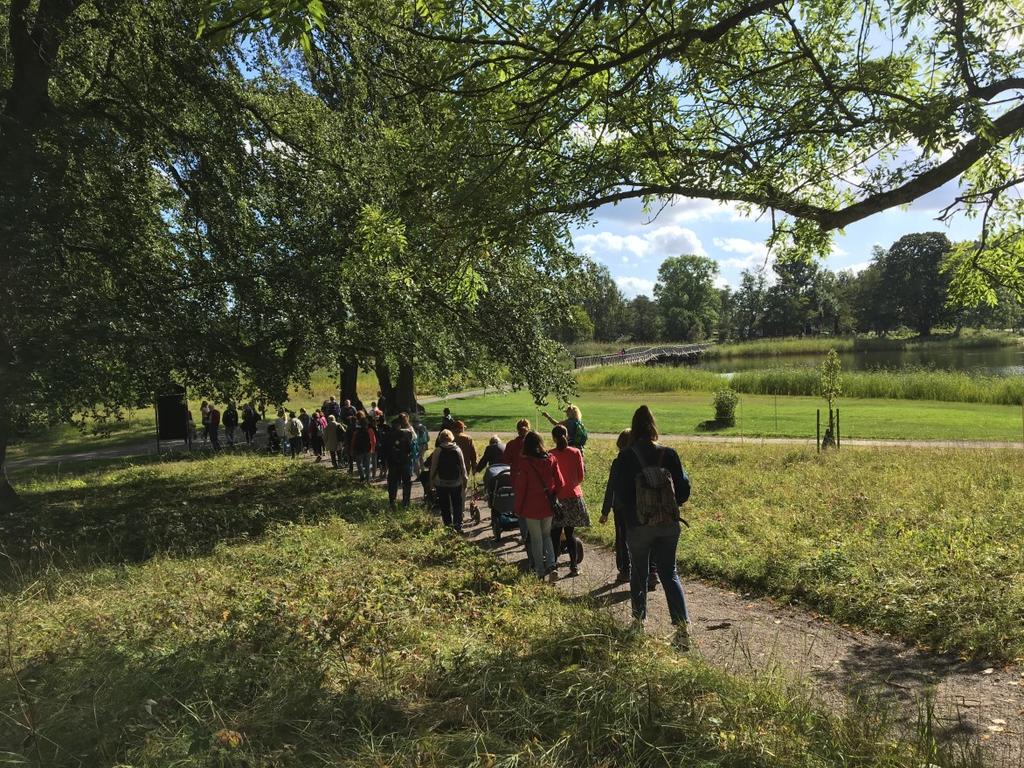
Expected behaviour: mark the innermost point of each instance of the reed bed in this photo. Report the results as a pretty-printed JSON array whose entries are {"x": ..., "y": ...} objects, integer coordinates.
[{"x": 895, "y": 384}]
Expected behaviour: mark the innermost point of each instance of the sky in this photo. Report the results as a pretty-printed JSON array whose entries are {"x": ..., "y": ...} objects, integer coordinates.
[{"x": 633, "y": 242}]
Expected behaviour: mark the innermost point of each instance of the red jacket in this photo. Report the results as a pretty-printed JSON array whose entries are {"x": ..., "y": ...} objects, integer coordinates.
[
  {"x": 533, "y": 479},
  {"x": 513, "y": 450},
  {"x": 570, "y": 462}
]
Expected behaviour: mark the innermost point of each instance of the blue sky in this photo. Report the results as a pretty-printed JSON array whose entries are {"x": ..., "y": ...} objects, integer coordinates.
[{"x": 632, "y": 242}]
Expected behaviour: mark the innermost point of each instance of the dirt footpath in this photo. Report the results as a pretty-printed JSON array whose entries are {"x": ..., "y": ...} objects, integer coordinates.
[{"x": 753, "y": 636}]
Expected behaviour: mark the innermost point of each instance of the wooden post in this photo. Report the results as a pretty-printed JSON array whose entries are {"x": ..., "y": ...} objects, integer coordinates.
[
  {"x": 776, "y": 414},
  {"x": 837, "y": 429},
  {"x": 817, "y": 438}
]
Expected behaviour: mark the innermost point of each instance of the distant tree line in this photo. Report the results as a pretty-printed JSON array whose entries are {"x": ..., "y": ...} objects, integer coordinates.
[{"x": 903, "y": 288}]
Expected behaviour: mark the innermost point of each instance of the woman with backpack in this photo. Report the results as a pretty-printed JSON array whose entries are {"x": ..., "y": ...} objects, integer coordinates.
[
  {"x": 572, "y": 513},
  {"x": 537, "y": 482},
  {"x": 609, "y": 505},
  {"x": 363, "y": 445},
  {"x": 650, "y": 486},
  {"x": 573, "y": 423},
  {"x": 401, "y": 456},
  {"x": 448, "y": 478}
]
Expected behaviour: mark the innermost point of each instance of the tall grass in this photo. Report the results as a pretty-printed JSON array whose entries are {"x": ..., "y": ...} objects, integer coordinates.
[
  {"x": 921, "y": 544},
  {"x": 900, "y": 384},
  {"x": 821, "y": 344},
  {"x": 371, "y": 639}
]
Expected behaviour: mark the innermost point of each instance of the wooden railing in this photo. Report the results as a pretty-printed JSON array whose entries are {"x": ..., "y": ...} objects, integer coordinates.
[{"x": 641, "y": 355}]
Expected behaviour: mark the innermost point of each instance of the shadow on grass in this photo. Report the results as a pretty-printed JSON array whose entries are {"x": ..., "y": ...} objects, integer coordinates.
[
  {"x": 180, "y": 507},
  {"x": 578, "y": 692}
]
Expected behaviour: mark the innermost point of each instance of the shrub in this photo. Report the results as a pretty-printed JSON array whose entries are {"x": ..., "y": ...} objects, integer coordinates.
[{"x": 725, "y": 407}]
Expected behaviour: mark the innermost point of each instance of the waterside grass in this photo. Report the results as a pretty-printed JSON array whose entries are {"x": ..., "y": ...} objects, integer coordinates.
[
  {"x": 912, "y": 543},
  {"x": 902, "y": 384},
  {"x": 353, "y": 639},
  {"x": 809, "y": 345}
]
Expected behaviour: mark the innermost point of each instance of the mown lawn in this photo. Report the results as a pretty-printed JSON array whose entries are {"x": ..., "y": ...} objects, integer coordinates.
[
  {"x": 923, "y": 544},
  {"x": 246, "y": 612},
  {"x": 681, "y": 413}
]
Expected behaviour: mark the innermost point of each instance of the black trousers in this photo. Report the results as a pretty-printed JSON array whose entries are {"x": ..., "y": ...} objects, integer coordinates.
[
  {"x": 396, "y": 476},
  {"x": 570, "y": 540},
  {"x": 450, "y": 500}
]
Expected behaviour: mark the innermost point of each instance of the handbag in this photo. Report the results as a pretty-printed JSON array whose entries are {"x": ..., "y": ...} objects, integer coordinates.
[{"x": 556, "y": 505}]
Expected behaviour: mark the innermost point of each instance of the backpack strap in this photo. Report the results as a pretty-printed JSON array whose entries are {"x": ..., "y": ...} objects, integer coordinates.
[{"x": 640, "y": 457}]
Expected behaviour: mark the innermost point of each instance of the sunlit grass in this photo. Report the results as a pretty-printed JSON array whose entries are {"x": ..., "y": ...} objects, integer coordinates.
[
  {"x": 341, "y": 634},
  {"x": 923, "y": 544}
]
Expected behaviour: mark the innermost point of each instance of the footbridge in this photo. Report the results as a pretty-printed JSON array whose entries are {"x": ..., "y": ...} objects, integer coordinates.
[{"x": 645, "y": 355}]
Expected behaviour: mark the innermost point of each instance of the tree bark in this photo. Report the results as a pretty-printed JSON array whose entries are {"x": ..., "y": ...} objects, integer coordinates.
[
  {"x": 387, "y": 390},
  {"x": 8, "y": 496},
  {"x": 405, "y": 390},
  {"x": 350, "y": 382}
]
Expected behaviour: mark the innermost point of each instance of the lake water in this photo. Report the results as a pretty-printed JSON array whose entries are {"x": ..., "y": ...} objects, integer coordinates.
[{"x": 997, "y": 361}]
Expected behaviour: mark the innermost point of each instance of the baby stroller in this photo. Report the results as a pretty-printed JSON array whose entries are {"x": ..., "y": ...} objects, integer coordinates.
[
  {"x": 500, "y": 498},
  {"x": 273, "y": 439}
]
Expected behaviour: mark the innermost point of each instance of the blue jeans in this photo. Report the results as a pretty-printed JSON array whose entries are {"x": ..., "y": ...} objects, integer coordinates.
[
  {"x": 542, "y": 550},
  {"x": 363, "y": 462},
  {"x": 657, "y": 543}
]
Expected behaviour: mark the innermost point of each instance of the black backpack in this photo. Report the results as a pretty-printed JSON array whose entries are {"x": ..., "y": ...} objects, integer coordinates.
[
  {"x": 361, "y": 440},
  {"x": 449, "y": 466},
  {"x": 399, "y": 447}
]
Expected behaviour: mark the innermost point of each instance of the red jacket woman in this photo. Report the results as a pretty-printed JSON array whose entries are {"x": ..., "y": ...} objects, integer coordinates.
[{"x": 537, "y": 478}]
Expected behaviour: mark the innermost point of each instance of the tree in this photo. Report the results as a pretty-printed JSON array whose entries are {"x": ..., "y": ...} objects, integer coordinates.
[
  {"x": 750, "y": 305},
  {"x": 830, "y": 384},
  {"x": 602, "y": 300},
  {"x": 687, "y": 297},
  {"x": 912, "y": 271},
  {"x": 644, "y": 320},
  {"x": 777, "y": 106},
  {"x": 114, "y": 124}
]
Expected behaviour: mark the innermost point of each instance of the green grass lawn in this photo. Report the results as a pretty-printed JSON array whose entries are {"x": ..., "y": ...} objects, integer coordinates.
[
  {"x": 250, "y": 612},
  {"x": 682, "y": 412},
  {"x": 925, "y": 545}
]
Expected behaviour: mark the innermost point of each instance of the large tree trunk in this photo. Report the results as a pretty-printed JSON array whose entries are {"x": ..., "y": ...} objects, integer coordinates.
[
  {"x": 387, "y": 390},
  {"x": 405, "y": 390},
  {"x": 350, "y": 382},
  {"x": 8, "y": 497}
]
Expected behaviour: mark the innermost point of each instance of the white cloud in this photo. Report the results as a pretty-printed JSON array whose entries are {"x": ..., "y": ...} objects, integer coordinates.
[
  {"x": 685, "y": 209},
  {"x": 673, "y": 240},
  {"x": 609, "y": 242},
  {"x": 751, "y": 255},
  {"x": 669, "y": 240},
  {"x": 857, "y": 268},
  {"x": 632, "y": 287}
]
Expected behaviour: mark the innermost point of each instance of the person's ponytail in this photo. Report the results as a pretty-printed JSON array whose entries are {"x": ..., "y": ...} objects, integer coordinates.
[{"x": 561, "y": 436}]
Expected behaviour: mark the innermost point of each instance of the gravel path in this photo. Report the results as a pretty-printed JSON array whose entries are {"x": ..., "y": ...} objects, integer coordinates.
[{"x": 754, "y": 636}]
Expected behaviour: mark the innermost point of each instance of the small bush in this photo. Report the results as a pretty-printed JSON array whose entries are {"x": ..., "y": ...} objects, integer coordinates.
[{"x": 725, "y": 407}]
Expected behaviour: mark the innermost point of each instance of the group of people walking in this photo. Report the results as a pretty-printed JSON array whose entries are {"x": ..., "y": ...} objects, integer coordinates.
[
  {"x": 644, "y": 490},
  {"x": 212, "y": 420}
]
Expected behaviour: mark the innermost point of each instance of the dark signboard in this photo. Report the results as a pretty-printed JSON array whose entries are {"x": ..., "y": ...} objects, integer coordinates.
[{"x": 172, "y": 414}]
